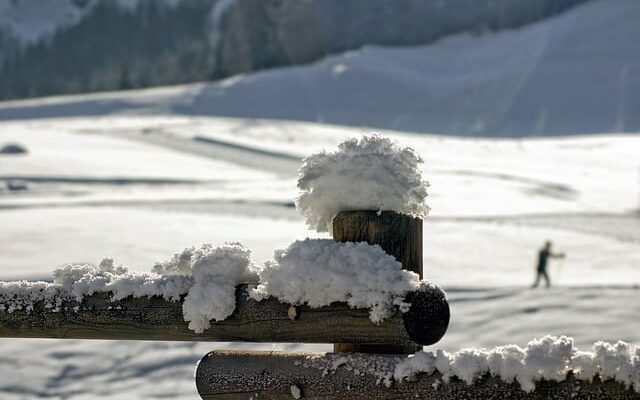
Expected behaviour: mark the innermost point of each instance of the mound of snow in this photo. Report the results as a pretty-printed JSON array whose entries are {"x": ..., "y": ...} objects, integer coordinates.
[
  {"x": 13, "y": 148},
  {"x": 550, "y": 358},
  {"x": 22, "y": 295},
  {"x": 82, "y": 280},
  {"x": 216, "y": 271},
  {"x": 318, "y": 272},
  {"x": 179, "y": 264},
  {"x": 373, "y": 173},
  {"x": 208, "y": 276}
]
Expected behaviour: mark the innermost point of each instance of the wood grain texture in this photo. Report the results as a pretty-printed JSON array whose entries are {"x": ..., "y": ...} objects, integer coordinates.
[
  {"x": 153, "y": 318},
  {"x": 235, "y": 375},
  {"x": 398, "y": 235}
]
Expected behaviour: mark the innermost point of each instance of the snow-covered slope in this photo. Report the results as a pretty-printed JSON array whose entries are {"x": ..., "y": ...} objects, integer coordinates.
[{"x": 575, "y": 73}]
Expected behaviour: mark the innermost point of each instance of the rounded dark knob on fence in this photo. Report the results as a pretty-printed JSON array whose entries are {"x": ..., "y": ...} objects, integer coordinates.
[{"x": 428, "y": 318}]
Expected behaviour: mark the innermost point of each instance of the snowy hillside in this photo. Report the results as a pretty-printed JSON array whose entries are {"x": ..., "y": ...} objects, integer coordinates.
[{"x": 574, "y": 73}]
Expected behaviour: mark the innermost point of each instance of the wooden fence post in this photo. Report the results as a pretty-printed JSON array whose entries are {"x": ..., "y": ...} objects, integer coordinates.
[{"x": 399, "y": 235}]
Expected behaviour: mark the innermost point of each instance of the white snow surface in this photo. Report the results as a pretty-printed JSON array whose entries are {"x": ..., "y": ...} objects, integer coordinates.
[
  {"x": 178, "y": 264},
  {"x": 578, "y": 191},
  {"x": 216, "y": 272},
  {"x": 21, "y": 295},
  {"x": 373, "y": 173},
  {"x": 549, "y": 358},
  {"x": 75, "y": 281},
  {"x": 85, "y": 279},
  {"x": 318, "y": 272}
]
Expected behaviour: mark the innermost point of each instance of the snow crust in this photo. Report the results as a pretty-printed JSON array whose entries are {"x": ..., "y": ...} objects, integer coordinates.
[
  {"x": 381, "y": 367},
  {"x": 22, "y": 295},
  {"x": 179, "y": 264},
  {"x": 75, "y": 281},
  {"x": 216, "y": 271},
  {"x": 208, "y": 276},
  {"x": 549, "y": 358},
  {"x": 372, "y": 173},
  {"x": 82, "y": 280},
  {"x": 318, "y": 272}
]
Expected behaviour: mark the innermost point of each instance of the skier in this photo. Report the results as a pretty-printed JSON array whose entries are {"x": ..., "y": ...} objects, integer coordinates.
[{"x": 543, "y": 258}]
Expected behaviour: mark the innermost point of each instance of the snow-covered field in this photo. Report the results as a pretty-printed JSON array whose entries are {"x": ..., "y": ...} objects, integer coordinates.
[
  {"x": 139, "y": 189},
  {"x": 138, "y": 176}
]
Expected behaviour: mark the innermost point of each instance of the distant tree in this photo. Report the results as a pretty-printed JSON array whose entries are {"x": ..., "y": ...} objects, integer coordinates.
[
  {"x": 115, "y": 47},
  {"x": 125, "y": 82}
]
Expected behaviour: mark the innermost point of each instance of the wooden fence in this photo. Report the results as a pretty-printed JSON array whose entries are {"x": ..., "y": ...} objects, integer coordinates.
[{"x": 280, "y": 375}]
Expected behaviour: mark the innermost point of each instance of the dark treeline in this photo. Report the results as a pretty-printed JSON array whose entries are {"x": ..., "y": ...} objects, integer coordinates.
[{"x": 116, "y": 48}]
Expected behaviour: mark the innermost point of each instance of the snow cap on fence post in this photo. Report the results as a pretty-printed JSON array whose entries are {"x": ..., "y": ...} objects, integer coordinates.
[
  {"x": 371, "y": 173},
  {"x": 370, "y": 190}
]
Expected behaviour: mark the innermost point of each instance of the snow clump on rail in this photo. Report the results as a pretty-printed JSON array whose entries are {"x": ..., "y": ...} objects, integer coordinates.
[
  {"x": 318, "y": 272},
  {"x": 208, "y": 276},
  {"x": 82, "y": 280},
  {"x": 373, "y": 173},
  {"x": 550, "y": 358},
  {"x": 22, "y": 295},
  {"x": 216, "y": 271}
]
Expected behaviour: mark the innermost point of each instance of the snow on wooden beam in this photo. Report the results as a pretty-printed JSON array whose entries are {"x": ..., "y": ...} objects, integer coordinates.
[
  {"x": 153, "y": 318},
  {"x": 230, "y": 375},
  {"x": 398, "y": 234}
]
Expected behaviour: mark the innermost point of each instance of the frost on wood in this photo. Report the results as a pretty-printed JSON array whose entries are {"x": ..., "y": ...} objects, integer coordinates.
[
  {"x": 319, "y": 272},
  {"x": 216, "y": 272},
  {"x": 372, "y": 173},
  {"x": 381, "y": 367},
  {"x": 22, "y": 295},
  {"x": 550, "y": 358}
]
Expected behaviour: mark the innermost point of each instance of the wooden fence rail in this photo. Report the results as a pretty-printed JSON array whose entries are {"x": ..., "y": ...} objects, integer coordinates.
[
  {"x": 226, "y": 375},
  {"x": 153, "y": 318}
]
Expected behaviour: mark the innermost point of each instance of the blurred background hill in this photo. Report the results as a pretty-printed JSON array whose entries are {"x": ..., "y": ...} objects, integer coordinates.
[
  {"x": 470, "y": 68},
  {"x": 74, "y": 46}
]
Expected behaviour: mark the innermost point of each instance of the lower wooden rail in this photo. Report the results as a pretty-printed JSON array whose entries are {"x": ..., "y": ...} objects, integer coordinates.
[
  {"x": 231, "y": 375},
  {"x": 153, "y": 318}
]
